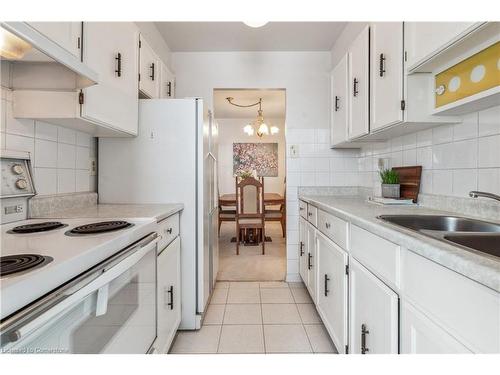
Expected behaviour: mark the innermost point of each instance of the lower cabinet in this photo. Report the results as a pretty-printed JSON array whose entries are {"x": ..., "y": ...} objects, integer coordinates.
[
  {"x": 419, "y": 335},
  {"x": 373, "y": 313},
  {"x": 312, "y": 262},
  {"x": 168, "y": 295},
  {"x": 332, "y": 290},
  {"x": 303, "y": 254}
]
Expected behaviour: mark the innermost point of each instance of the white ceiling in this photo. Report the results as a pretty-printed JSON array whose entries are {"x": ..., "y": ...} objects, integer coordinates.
[
  {"x": 273, "y": 103},
  {"x": 236, "y": 36}
]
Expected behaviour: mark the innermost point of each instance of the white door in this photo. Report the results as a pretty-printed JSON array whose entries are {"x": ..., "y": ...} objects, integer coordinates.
[
  {"x": 111, "y": 49},
  {"x": 167, "y": 82},
  {"x": 387, "y": 61},
  {"x": 332, "y": 289},
  {"x": 373, "y": 313},
  {"x": 149, "y": 70},
  {"x": 419, "y": 335},
  {"x": 312, "y": 261},
  {"x": 303, "y": 253},
  {"x": 66, "y": 34},
  {"x": 359, "y": 85},
  {"x": 168, "y": 294},
  {"x": 340, "y": 102}
]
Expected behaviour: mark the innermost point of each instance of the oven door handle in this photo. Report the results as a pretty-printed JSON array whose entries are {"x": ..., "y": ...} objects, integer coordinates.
[{"x": 107, "y": 273}]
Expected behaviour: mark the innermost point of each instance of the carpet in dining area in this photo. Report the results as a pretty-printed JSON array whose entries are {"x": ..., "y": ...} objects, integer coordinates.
[{"x": 251, "y": 265}]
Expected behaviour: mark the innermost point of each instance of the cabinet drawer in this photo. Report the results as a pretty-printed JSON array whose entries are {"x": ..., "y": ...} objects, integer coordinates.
[
  {"x": 377, "y": 254},
  {"x": 333, "y": 227},
  {"x": 303, "y": 209},
  {"x": 168, "y": 230},
  {"x": 468, "y": 310},
  {"x": 312, "y": 215}
]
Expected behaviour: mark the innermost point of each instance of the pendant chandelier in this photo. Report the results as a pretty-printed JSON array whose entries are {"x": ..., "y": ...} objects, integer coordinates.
[{"x": 259, "y": 123}]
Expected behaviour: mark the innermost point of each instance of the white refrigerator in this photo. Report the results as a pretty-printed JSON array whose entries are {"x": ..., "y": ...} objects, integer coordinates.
[{"x": 173, "y": 159}]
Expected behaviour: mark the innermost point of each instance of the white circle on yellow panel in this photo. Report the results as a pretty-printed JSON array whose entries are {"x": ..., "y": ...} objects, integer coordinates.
[
  {"x": 454, "y": 84},
  {"x": 477, "y": 73}
]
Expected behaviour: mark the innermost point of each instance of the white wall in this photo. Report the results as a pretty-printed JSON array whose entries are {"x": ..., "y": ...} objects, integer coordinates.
[{"x": 231, "y": 131}]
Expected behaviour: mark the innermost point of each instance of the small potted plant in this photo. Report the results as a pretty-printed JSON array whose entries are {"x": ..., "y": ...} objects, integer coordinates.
[{"x": 390, "y": 183}]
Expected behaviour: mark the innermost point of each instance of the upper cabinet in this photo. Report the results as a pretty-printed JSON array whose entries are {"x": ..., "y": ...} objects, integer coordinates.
[
  {"x": 67, "y": 34},
  {"x": 340, "y": 103},
  {"x": 149, "y": 71},
  {"x": 167, "y": 82},
  {"x": 358, "y": 83}
]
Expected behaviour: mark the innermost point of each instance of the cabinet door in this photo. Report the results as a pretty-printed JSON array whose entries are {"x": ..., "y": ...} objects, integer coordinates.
[
  {"x": 419, "y": 335},
  {"x": 168, "y": 292},
  {"x": 111, "y": 49},
  {"x": 359, "y": 85},
  {"x": 167, "y": 82},
  {"x": 66, "y": 34},
  {"x": 303, "y": 253},
  {"x": 332, "y": 290},
  {"x": 149, "y": 68},
  {"x": 312, "y": 261},
  {"x": 338, "y": 127},
  {"x": 373, "y": 313},
  {"x": 387, "y": 55}
]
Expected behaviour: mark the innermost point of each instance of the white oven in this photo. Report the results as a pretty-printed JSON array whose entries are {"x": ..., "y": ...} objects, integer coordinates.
[{"x": 109, "y": 309}]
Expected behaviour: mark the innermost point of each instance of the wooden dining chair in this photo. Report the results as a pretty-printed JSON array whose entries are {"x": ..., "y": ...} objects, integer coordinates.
[
  {"x": 226, "y": 213},
  {"x": 250, "y": 209}
]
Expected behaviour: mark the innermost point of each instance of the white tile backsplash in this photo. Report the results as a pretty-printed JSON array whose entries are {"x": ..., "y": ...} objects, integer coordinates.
[{"x": 60, "y": 157}]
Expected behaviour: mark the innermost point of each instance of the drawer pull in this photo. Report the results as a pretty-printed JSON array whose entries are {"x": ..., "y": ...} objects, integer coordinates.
[
  {"x": 355, "y": 91},
  {"x": 327, "y": 279},
  {"x": 309, "y": 264},
  {"x": 309, "y": 214},
  {"x": 118, "y": 59},
  {"x": 337, "y": 100},
  {"x": 364, "y": 332},
  {"x": 152, "y": 76},
  {"x": 381, "y": 65},
  {"x": 301, "y": 208},
  {"x": 327, "y": 225},
  {"x": 169, "y": 231},
  {"x": 170, "y": 292},
  {"x": 301, "y": 248}
]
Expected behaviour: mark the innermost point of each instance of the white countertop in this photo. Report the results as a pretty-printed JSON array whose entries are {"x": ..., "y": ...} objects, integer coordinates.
[
  {"x": 482, "y": 268},
  {"x": 103, "y": 211}
]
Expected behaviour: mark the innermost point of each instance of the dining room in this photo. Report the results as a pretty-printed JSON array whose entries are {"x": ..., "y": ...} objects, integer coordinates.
[{"x": 251, "y": 184}]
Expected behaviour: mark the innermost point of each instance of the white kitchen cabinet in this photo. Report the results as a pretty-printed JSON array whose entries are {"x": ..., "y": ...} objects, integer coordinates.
[
  {"x": 358, "y": 84},
  {"x": 149, "y": 70},
  {"x": 340, "y": 103},
  {"x": 312, "y": 262},
  {"x": 67, "y": 34},
  {"x": 303, "y": 254},
  {"x": 332, "y": 290},
  {"x": 420, "y": 335},
  {"x": 373, "y": 313},
  {"x": 167, "y": 82},
  {"x": 386, "y": 75},
  {"x": 110, "y": 48},
  {"x": 168, "y": 295}
]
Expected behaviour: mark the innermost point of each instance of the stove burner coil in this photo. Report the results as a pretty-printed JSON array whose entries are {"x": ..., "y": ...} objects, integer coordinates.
[
  {"x": 38, "y": 227},
  {"x": 97, "y": 228},
  {"x": 10, "y": 264}
]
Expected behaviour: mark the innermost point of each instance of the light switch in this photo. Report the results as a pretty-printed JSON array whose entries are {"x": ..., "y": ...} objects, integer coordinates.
[{"x": 294, "y": 151}]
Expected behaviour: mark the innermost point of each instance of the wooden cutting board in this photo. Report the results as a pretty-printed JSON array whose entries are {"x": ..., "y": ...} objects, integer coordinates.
[{"x": 409, "y": 179}]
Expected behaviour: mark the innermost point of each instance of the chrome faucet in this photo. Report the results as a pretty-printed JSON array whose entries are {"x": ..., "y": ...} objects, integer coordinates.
[{"x": 476, "y": 194}]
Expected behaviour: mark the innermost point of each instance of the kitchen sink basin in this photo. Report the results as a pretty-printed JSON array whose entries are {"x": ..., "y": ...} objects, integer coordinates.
[
  {"x": 467, "y": 233},
  {"x": 441, "y": 223},
  {"x": 486, "y": 243}
]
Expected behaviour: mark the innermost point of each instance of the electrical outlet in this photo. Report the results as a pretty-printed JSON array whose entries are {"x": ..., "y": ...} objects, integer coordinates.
[
  {"x": 93, "y": 166},
  {"x": 294, "y": 151}
]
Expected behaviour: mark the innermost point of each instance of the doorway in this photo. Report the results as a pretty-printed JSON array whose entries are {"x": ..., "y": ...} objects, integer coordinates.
[{"x": 246, "y": 148}]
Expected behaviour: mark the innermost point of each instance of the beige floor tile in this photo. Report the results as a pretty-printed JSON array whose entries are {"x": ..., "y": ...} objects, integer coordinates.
[
  {"x": 222, "y": 285},
  {"x": 243, "y": 284},
  {"x": 243, "y": 314},
  {"x": 219, "y": 296},
  {"x": 276, "y": 295},
  {"x": 243, "y": 295},
  {"x": 274, "y": 284},
  {"x": 308, "y": 313},
  {"x": 319, "y": 339},
  {"x": 280, "y": 313},
  {"x": 301, "y": 295},
  {"x": 214, "y": 314},
  {"x": 205, "y": 340},
  {"x": 241, "y": 339},
  {"x": 286, "y": 339},
  {"x": 294, "y": 284}
]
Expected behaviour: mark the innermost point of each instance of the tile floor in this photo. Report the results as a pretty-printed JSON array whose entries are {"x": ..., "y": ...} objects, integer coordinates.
[{"x": 257, "y": 317}]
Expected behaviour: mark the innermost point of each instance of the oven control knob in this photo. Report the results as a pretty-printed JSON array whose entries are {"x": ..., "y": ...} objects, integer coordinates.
[
  {"x": 21, "y": 184},
  {"x": 17, "y": 169}
]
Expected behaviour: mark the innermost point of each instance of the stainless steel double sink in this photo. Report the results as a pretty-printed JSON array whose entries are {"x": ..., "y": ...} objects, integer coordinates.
[{"x": 470, "y": 234}]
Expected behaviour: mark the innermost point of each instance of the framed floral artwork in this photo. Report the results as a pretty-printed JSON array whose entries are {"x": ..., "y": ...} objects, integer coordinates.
[{"x": 261, "y": 158}]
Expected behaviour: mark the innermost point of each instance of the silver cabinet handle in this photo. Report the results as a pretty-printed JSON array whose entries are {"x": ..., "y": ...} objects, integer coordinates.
[{"x": 364, "y": 332}]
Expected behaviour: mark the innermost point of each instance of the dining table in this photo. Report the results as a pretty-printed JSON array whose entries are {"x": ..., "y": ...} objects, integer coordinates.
[{"x": 270, "y": 199}]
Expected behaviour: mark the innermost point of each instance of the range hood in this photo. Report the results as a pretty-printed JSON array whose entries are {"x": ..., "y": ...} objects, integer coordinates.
[{"x": 31, "y": 61}]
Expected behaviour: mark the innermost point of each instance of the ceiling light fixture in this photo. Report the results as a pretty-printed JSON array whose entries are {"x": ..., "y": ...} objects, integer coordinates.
[
  {"x": 259, "y": 122},
  {"x": 255, "y": 24}
]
